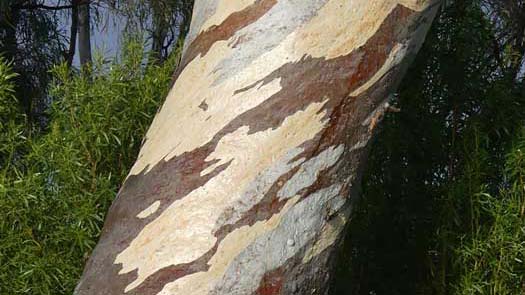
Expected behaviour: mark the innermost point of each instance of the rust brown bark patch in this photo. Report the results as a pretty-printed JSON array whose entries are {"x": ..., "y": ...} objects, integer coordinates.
[{"x": 271, "y": 283}]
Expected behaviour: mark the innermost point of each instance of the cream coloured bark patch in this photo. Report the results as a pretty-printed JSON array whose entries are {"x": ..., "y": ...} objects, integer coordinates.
[
  {"x": 169, "y": 135},
  {"x": 184, "y": 231},
  {"x": 310, "y": 170}
]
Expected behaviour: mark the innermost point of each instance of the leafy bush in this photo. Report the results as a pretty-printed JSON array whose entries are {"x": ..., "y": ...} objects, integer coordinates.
[
  {"x": 11, "y": 122},
  {"x": 53, "y": 207},
  {"x": 491, "y": 258}
]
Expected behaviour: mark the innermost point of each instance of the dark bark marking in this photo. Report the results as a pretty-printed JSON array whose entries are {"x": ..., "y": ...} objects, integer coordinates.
[{"x": 203, "y": 106}]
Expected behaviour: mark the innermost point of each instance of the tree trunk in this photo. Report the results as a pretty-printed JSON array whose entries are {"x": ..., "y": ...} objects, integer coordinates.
[
  {"x": 244, "y": 181},
  {"x": 84, "y": 35},
  {"x": 159, "y": 34},
  {"x": 73, "y": 32}
]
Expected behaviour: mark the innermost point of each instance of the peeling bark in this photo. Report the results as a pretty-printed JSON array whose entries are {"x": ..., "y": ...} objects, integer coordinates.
[{"x": 245, "y": 179}]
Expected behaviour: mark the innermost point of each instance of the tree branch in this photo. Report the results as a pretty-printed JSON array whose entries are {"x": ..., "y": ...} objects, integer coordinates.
[{"x": 48, "y": 7}]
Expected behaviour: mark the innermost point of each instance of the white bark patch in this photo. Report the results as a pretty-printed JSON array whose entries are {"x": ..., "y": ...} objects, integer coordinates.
[
  {"x": 269, "y": 32},
  {"x": 329, "y": 235},
  {"x": 360, "y": 144},
  {"x": 258, "y": 188},
  {"x": 202, "y": 10},
  {"x": 150, "y": 210},
  {"x": 184, "y": 231}
]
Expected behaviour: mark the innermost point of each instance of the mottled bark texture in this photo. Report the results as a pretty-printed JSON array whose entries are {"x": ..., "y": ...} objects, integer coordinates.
[{"x": 244, "y": 181}]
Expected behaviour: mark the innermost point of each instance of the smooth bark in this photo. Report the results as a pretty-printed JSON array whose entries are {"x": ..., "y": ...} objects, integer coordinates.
[{"x": 246, "y": 177}]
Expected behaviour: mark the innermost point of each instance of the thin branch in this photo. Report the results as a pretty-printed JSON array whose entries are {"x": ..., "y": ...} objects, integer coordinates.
[{"x": 47, "y": 7}]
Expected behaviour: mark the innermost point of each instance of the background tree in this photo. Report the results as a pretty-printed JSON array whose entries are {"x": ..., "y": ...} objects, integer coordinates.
[
  {"x": 32, "y": 40},
  {"x": 35, "y": 34},
  {"x": 84, "y": 31},
  {"x": 165, "y": 22},
  {"x": 56, "y": 185},
  {"x": 508, "y": 20}
]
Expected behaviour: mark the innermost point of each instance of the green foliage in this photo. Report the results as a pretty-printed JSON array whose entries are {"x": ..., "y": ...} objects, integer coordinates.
[
  {"x": 52, "y": 210},
  {"x": 491, "y": 258},
  {"x": 11, "y": 122}
]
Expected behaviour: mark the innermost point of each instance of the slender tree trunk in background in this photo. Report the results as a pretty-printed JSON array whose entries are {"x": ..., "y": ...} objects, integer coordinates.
[
  {"x": 160, "y": 32},
  {"x": 244, "y": 182},
  {"x": 84, "y": 35},
  {"x": 73, "y": 32}
]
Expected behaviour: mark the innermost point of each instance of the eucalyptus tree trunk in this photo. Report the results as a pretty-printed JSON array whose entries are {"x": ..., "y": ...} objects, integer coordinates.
[{"x": 245, "y": 179}]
